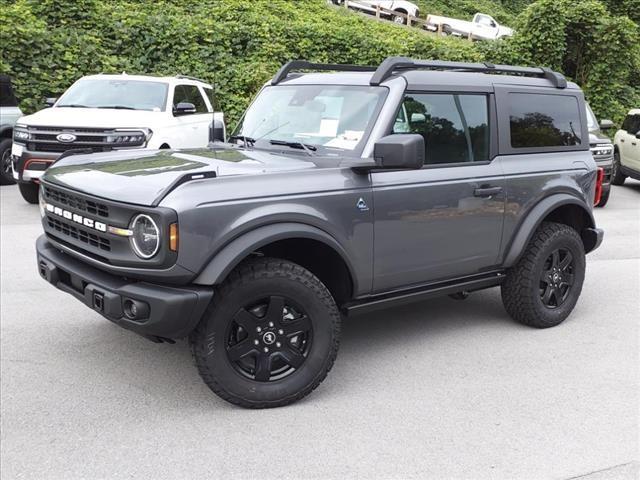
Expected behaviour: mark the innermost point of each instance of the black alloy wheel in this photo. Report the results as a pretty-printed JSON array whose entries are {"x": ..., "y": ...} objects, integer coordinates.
[
  {"x": 6, "y": 173},
  {"x": 270, "y": 339},
  {"x": 557, "y": 278}
]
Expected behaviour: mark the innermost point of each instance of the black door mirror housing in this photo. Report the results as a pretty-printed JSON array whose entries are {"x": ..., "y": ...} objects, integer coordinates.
[
  {"x": 402, "y": 151},
  {"x": 50, "y": 101},
  {"x": 606, "y": 124},
  {"x": 216, "y": 131},
  {"x": 184, "y": 108}
]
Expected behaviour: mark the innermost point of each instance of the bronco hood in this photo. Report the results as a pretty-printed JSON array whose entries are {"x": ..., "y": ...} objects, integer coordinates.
[{"x": 143, "y": 177}]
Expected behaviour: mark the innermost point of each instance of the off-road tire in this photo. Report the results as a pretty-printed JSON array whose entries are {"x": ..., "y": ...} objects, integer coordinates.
[
  {"x": 521, "y": 294},
  {"x": 253, "y": 279},
  {"x": 6, "y": 176},
  {"x": 29, "y": 192},
  {"x": 604, "y": 198},
  {"x": 617, "y": 177}
]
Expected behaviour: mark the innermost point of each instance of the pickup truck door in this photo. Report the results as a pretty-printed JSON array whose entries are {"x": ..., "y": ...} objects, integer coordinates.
[
  {"x": 629, "y": 144},
  {"x": 190, "y": 130},
  {"x": 444, "y": 220},
  {"x": 484, "y": 26}
]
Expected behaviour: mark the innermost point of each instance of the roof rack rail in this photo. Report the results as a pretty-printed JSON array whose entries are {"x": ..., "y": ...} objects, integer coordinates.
[
  {"x": 392, "y": 64},
  {"x": 304, "y": 65},
  {"x": 196, "y": 79}
]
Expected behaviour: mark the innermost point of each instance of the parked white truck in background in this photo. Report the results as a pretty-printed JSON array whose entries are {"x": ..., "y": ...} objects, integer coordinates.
[
  {"x": 481, "y": 27},
  {"x": 102, "y": 113}
]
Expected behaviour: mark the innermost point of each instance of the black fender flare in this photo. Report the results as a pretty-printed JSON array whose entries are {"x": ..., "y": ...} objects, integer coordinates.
[
  {"x": 229, "y": 256},
  {"x": 535, "y": 217}
]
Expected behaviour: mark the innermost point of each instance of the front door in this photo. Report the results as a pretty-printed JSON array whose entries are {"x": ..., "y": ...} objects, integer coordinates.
[{"x": 444, "y": 220}]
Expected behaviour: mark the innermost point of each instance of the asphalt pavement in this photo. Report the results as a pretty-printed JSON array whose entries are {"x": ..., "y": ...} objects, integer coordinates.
[{"x": 443, "y": 389}]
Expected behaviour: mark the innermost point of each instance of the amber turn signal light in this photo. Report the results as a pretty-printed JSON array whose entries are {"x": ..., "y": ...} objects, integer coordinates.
[{"x": 173, "y": 237}]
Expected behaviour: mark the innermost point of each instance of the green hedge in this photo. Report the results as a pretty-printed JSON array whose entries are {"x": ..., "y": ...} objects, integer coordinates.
[{"x": 239, "y": 44}]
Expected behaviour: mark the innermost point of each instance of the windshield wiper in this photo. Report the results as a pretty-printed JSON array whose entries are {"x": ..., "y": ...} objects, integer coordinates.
[
  {"x": 247, "y": 141},
  {"x": 72, "y": 105},
  {"x": 117, "y": 107},
  {"x": 307, "y": 148}
]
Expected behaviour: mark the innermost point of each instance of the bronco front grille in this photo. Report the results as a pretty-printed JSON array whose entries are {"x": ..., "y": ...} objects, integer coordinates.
[
  {"x": 79, "y": 234},
  {"x": 76, "y": 202}
]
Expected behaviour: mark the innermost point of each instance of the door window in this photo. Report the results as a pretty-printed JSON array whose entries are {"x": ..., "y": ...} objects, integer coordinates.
[
  {"x": 189, "y": 94},
  {"x": 631, "y": 124},
  {"x": 455, "y": 127},
  {"x": 212, "y": 98}
]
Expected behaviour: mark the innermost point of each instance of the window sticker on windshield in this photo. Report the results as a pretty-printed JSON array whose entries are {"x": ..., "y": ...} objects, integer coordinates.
[{"x": 347, "y": 140}]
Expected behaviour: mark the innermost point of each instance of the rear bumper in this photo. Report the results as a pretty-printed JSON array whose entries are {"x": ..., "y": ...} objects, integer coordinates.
[
  {"x": 163, "y": 311},
  {"x": 592, "y": 238}
]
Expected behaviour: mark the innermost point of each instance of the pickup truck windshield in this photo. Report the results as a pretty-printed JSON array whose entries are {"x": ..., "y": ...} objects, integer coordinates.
[
  {"x": 592, "y": 122},
  {"x": 327, "y": 118},
  {"x": 116, "y": 94}
]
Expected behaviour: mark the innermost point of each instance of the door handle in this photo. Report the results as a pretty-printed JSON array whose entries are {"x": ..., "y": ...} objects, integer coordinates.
[
  {"x": 486, "y": 191},
  {"x": 622, "y": 140},
  {"x": 633, "y": 143}
]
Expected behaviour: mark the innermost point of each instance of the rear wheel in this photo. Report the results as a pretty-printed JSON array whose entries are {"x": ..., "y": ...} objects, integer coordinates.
[
  {"x": 6, "y": 174},
  {"x": 269, "y": 337},
  {"x": 543, "y": 287},
  {"x": 29, "y": 191},
  {"x": 617, "y": 177}
]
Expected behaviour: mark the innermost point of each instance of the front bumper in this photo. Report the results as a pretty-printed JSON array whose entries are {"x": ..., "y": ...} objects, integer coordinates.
[
  {"x": 30, "y": 166},
  {"x": 167, "y": 312}
]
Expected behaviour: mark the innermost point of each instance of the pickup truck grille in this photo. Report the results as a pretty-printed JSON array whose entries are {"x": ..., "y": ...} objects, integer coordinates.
[
  {"x": 75, "y": 202},
  {"x": 44, "y": 139},
  {"x": 72, "y": 231}
]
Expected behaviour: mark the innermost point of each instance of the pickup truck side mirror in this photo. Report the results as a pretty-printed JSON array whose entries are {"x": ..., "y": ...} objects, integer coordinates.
[
  {"x": 493, "y": 24},
  {"x": 638, "y": 135},
  {"x": 402, "y": 151},
  {"x": 606, "y": 124},
  {"x": 184, "y": 108},
  {"x": 216, "y": 131},
  {"x": 50, "y": 101}
]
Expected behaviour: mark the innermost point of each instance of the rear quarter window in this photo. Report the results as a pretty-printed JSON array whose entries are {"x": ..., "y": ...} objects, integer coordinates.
[{"x": 541, "y": 120}]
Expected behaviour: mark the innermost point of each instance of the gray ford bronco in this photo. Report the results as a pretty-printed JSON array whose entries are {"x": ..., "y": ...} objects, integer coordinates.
[{"x": 339, "y": 193}]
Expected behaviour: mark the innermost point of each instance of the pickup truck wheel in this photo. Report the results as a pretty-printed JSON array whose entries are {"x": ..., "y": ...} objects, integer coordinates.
[
  {"x": 6, "y": 175},
  {"x": 29, "y": 191},
  {"x": 604, "y": 198},
  {"x": 269, "y": 337},
  {"x": 543, "y": 287},
  {"x": 617, "y": 177}
]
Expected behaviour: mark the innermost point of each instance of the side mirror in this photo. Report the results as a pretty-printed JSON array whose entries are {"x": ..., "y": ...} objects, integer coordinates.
[
  {"x": 493, "y": 24},
  {"x": 399, "y": 151},
  {"x": 638, "y": 135},
  {"x": 606, "y": 124},
  {"x": 216, "y": 131},
  {"x": 50, "y": 101},
  {"x": 184, "y": 108}
]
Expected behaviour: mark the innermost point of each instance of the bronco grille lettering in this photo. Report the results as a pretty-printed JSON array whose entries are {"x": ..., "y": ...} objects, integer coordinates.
[{"x": 87, "y": 222}]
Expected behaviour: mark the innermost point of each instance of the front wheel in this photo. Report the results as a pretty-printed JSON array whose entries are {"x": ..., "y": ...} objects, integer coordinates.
[
  {"x": 617, "y": 177},
  {"x": 6, "y": 174},
  {"x": 543, "y": 287},
  {"x": 269, "y": 337},
  {"x": 399, "y": 19},
  {"x": 29, "y": 192}
]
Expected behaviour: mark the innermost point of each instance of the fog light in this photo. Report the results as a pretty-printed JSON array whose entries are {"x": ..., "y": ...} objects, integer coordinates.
[{"x": 135, "y": 309}]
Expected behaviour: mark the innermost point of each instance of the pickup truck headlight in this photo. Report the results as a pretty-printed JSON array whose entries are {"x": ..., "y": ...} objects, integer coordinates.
[
  {"x": 602, "y": 149},
  {"x": 129, "y": 138},
  {"x": 145, "y": 238},
  {"x": 21, "y": 136}
]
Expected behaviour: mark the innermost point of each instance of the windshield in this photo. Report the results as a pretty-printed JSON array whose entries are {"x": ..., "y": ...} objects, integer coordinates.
[
  {"x": 592, "y": 121},
  {"x": 326, "y": 118},
  {"x": 112, "y": 93}
]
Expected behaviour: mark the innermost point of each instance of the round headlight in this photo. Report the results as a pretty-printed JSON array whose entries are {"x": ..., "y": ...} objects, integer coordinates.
[{"x": 145, "y": 239}]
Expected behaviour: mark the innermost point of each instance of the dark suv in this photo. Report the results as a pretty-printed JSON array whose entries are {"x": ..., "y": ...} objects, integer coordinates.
[{"x": 338, "y": 194}]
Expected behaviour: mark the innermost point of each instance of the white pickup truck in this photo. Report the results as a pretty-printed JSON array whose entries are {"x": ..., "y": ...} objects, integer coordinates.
[{"x": 482, "y": 27}]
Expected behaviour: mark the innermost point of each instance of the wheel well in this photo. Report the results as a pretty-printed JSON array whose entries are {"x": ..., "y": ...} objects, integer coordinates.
[
  {"x": 6, "y": 133},
  {"x": 575, "y": 217},
  {"x": 165, "y": 146},
  {"x": 320, "y": 259}
]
